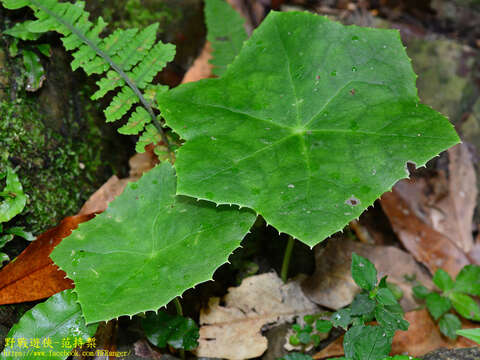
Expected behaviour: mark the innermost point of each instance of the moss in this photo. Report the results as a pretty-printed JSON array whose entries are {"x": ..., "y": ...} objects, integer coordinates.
[{"x": 57, "y": 173}]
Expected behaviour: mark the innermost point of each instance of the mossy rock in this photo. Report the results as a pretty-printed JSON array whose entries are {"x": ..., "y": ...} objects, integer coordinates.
[{"x": 53, "y": 138}]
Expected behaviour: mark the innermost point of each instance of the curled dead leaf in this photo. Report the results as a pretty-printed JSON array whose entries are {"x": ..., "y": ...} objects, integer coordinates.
[
  {"x": 233, "y": 330},
  {"x": 33, "y": 275}
]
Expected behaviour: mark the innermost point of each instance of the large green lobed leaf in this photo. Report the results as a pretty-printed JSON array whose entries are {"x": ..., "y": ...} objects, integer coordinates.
[
  {"x": 226, "y": 33},
  {"x": 148, "y": 247},
  {"x": 49, "y": 331},
  {"x": 311, "y": 123}
]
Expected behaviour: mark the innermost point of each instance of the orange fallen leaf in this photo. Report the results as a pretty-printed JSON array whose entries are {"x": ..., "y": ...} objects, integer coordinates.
[
  {"x": 424, "y": 336},
  {"x": 432, "y": 213},
  {"x": 33, "y": 275},
  {"x": 334, "y": 349},
  {"x": 426, "y": 244},
  {"x": 201, "y": 67}
]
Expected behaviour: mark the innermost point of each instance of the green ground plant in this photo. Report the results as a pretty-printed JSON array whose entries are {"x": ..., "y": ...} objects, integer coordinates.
[
  {"x": 375, "y": 302},
  {"x": 452, "y": 295},
  {"x": 13, "y": 201},
  {"x": 310, "y": 123}
]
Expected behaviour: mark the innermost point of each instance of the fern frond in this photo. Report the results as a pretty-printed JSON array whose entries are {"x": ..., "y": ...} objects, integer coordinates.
[
  {"x": 136, "y": 123},
  {"x": 120, "y": 105},
  {"x": 149, "y": 136},
  {"x": 128, "y": 59}
]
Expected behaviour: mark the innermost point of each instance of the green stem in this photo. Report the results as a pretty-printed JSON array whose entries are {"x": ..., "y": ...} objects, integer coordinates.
[
  {"x": 178, "y": 306},
  {"x": 286, "y": 258},
  {"x": 115, "y": 67}
]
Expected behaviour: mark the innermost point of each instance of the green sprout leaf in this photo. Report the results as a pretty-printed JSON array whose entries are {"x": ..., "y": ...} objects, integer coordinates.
[
  {"x": 21, "y": 31},
  {"x": 55, "y": 325},
  {"x": 420, "y": 291},
  {"x": 226, "y": 33},
  {"x": 323, "y": 326},
  {"x": 449, "y": 324},
  {"x": 296, "y": 356},
  {"x": 386, "y": 297},
  {"x": 342, "y": 318},
  {"x": 310, "y": 133},
  {"x": 14, "y": 200},
  {"x": 362, "y": 304},
  {"x": 366, "y": 343},
  {"x": 391, "y": 318},
  {"x": 396, "y": 290},
  {"x": 465, "y": 305},
  {"x": 20, "y": 231},
  {"x": 148, "y": 247},
  {"x": 34, "y": 70},
  {"x": 468, "y": 280},
  {"x": 443, "y": 281},
  {"x": 163, "y": 329},
  {"x": 472, "y": 334},
  {"x": 363, "y": 272},
  {"x": 437, "y": 305}
]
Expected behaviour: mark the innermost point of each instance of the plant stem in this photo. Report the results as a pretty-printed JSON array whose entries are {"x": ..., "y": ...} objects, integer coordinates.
[
  {"x": 286, "y": 258},
  {"x": 178, "y": 306}
]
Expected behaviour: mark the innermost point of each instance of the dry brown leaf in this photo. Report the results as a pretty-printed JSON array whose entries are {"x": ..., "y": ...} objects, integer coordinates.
[
  {"x": 422, "y": 337},
  {"x": 201, "y": 68},
  {"x": 233, "y": 330},
  {"x": 427, "y": 245},
  {"x": 334, "y": 349},
  {"x": 33, "y": 275},
  {"x": 332, "y": 286},
  {"x": 432, "y": 215},
  {"x": 139, "y": 163}
]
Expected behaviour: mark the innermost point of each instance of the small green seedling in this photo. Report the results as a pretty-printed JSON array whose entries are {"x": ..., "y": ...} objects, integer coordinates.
[
  {"x": 12, "y": 203},
  {"x": 453, "y": 294},
  {"x": 375, "y": 302},
  {"x": 311, "y": 332},
  {"x": 164, "y": 330}
]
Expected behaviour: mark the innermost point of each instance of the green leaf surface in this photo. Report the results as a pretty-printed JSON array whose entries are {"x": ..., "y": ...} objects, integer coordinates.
[
  {"x": 420, "y": 291},
  {"x": 163, "y": 329},
  {"x": 50, "y": 323},
  {"x": 386, "y": 297},
  {"x": 437, "y": 305},
  {"x": 396, "y": 290},
  {"x": 362, "y": 304},
  {"x": 342, "y": 318},
  {"x": 20, "y": 231},
  {"x": 12, "y": 198},
  {"x": 3, "y": 258},
  {"x": 449, "y": 324},
  {"x": 391, "y": 318},
  {"x": 468, "y": 280},
  {"x": 34, "y": 70},
  {"x": 309, "y": 125},
  {"x": 323, "y": 326},
  {"x": 148, "y": 247},
  {"x": 472, "y": 334},
  {"x": 366, "y": 343},
  {"x": 363, "y": 272},
  {"x": 226, "y": 33},
  {"x": 20, "y": 31},
  {"x": 296, "y": 356},
  {"x": 443, "y": 281},
  {"x": 465, "y": 305}
]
